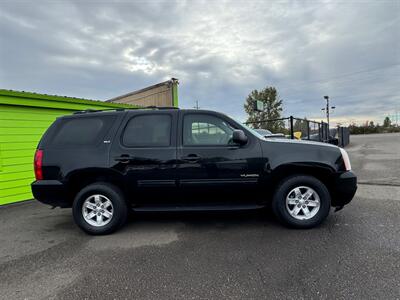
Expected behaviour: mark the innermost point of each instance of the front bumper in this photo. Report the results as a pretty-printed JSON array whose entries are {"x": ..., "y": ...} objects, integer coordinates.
[
  {"x": 51, "y": 192},
  {"x": 345, "y": 188}
]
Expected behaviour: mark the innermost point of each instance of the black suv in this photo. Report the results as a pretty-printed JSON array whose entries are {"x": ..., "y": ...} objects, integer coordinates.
[{"x": 105, "y": 164}]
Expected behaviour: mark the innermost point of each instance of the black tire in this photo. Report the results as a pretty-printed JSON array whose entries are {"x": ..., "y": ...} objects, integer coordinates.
[
  {"x": 119, "y": 206},
  {"x": 286, "y": 186}
]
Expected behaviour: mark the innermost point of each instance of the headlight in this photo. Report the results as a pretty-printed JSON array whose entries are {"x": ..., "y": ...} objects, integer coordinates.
[{"x": 346, "y": 159}]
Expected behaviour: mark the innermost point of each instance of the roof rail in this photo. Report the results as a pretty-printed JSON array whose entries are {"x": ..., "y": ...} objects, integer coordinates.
[
  {"x": 160, "y": 107},
  {"x": 123, "y": 109},
  {"x": 85, "y": 111}
]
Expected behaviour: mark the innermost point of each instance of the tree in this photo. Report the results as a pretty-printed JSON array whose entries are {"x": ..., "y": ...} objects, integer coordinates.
[
  {"x": 370, "y": 127},
  {"x": 272, "y": 109},
  {"x": 387, "y": 122}
]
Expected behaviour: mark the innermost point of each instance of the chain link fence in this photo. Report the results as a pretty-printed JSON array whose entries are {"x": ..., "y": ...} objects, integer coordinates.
[{"x": 303, "y": 129}]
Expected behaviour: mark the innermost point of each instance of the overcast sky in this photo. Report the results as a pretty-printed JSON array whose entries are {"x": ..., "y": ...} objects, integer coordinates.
[{"x": 219, "y": 51}]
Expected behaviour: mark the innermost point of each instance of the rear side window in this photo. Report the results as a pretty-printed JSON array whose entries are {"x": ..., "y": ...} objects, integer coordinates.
[
  {"x": 148, "y": 131},
  {"x": 82, "y": 131}
]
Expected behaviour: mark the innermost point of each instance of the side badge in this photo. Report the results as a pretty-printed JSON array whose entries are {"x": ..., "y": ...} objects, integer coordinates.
[{"x": 249, "y": 175}]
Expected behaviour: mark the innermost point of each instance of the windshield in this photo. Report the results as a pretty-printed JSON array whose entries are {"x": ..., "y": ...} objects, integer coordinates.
[
  {"x": 253, "y": 132},
  {"x": 260, "y": 136},
  {"x": 263, "y": 131}
]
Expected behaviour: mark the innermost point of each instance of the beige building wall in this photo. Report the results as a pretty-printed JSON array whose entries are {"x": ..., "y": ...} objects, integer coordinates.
[{"x": 161, "y": 94}]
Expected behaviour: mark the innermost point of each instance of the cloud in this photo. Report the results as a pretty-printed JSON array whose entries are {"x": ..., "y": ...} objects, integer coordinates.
[{"x": 220, "y": 51}]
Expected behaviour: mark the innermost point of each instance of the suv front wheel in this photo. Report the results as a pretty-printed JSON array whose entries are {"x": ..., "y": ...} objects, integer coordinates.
[
  {"x": 100, "y": 208},
  {"x": 301, "y": 201}
]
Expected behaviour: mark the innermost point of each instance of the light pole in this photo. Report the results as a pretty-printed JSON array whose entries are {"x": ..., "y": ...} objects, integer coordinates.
[{"x": 327, "y": 108}]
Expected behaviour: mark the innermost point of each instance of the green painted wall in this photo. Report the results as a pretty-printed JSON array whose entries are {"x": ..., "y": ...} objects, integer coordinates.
[{"x": 24, "y": 117}]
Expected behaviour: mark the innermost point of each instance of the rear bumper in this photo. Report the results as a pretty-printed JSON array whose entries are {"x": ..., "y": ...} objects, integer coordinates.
[
  {"x": 50, "y": 192},
  {"x": 345, "y": 188}
]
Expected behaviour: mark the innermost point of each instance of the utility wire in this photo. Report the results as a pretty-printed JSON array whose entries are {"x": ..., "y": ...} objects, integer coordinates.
[{"x": 345, "y": 75}]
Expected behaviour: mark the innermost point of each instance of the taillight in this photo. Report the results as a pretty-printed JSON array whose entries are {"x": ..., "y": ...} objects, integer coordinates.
[{"x": 38, "y": 162}]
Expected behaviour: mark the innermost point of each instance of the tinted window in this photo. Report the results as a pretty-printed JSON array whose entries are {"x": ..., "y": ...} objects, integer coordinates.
[
  {"x": 148, "y": 131},
  {"x": 82, "y": 131},
  {"x": 201, "y": 129}
]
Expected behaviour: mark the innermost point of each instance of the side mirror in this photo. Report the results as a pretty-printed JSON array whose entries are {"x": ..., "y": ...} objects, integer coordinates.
[{"x": 238, "y": 137}]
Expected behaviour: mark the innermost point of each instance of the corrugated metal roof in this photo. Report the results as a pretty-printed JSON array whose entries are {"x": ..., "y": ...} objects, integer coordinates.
[
  {"x": 23, "y": 94},
  {"x": 168, "y": 82}
]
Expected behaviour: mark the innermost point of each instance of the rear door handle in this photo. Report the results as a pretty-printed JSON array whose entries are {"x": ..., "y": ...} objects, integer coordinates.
[
  {"x": 191, "y": 158},
  {"x": 124, "y": 158}
]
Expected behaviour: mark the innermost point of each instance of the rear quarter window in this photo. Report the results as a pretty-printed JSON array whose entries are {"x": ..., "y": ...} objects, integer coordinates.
[{"x": 86, "y": 131}]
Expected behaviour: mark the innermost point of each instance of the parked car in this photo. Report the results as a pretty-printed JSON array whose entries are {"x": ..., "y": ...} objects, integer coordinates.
[
  {"x": 105, "y": 164},
  {"x": 332, "y": 138},
  {"x": 268, "y": 134}
]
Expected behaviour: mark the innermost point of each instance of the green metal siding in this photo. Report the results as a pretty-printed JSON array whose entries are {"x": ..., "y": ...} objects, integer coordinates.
[
  {"x": 175, "y": 94},
  {"x": 24, "y": 117}
]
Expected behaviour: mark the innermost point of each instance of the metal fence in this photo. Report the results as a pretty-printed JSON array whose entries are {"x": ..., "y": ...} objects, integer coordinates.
[
  {"x": 344, "y": 136},
  {"x": 297, "y": 128}
]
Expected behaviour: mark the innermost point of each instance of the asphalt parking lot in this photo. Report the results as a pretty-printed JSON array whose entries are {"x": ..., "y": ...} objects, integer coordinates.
[{"x": 355, "y": 254}]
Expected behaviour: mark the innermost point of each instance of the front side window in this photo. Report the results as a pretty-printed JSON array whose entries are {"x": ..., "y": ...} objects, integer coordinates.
[
  {"x": 202, "y": 130},
  {"x": 148, "y": 131}
]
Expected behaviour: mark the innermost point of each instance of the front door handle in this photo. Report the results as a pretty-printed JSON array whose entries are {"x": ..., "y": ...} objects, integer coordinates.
[
  {"x": 191, "y": 158},
  {"x": 124, "y": 158}
]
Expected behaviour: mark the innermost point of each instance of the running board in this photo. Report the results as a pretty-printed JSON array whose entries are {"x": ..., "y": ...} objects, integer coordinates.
[{"x": 197, "y": 208}]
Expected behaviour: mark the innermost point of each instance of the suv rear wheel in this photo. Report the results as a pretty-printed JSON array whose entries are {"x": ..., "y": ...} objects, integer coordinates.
[
  {"x": 100, "y": 208},
  {"x": 301, "y": 201}
]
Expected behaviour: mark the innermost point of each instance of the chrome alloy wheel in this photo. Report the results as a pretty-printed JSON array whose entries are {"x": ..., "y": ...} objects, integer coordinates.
[
  {"x": 97, "y": 210},
  {"x": 303, "y": 203}
]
